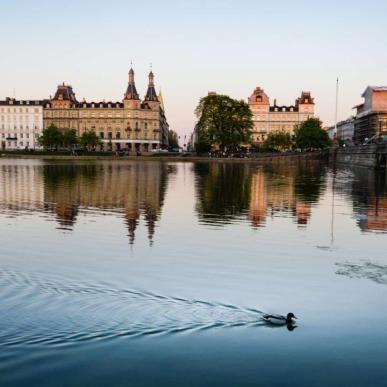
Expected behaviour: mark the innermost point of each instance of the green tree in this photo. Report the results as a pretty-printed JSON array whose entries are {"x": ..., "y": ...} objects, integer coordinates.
[
  {"x": 310, "y": 135},
  {"x": 70, "y": 138},
  {"x": 223, "y": 121},
  {"x": 278, "y": 140},
  {"x": 89, "y": 139},
  {"x": 173, "y": 139},
  {"x": 51, "y": 137}
]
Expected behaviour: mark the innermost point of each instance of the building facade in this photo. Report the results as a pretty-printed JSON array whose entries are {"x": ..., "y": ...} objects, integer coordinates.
[
  {"x": 371, "y": 115},
  {"x": 21, "y": 123},
  {"x": 269, "y": 118},
  {"x": 345, "y": 131},
  {"x": 131, "y": 124}
]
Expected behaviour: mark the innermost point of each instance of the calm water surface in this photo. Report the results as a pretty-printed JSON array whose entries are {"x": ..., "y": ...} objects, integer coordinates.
[{"x": 157, "y": 274}]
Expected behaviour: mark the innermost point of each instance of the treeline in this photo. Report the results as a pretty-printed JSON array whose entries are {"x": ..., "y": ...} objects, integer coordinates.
[
  {"x": 52, "y": 137},
  {"x": 227, "y": 124}
]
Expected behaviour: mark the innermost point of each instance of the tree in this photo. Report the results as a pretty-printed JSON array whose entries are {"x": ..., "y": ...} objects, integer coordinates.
[
  {"x": 89, "y": 139},
  {"x": 278, "y": 140},
  {"x": 223, "y": 121},
  {"x": 173, "y": 139},
  {"x": 70, "y": 138},
  {"x": 51, "y": 137},
  {"x": 310, "y": 135}
]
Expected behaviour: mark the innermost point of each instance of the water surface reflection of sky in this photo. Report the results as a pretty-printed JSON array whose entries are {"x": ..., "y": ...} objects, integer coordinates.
[{"x": 159, "y": 259}]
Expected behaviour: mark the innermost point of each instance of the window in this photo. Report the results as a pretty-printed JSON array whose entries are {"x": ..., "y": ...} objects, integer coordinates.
[
  {"x": 146, "y": 125},
  {"x": 101, "y": 134},
  {"x": 110, "y": 135},
  {"x": 118, "y": 135}
]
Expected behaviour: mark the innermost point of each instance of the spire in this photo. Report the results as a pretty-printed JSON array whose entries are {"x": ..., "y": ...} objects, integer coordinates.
[
  {"x": 151, "y": 92},
  {"x": 131, "y": 92}
]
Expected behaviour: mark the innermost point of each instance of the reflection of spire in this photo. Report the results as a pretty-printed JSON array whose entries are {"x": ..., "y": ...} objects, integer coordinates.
[
  {"x": 150, "y": 220},
  {"x": 132, "y": 223}
]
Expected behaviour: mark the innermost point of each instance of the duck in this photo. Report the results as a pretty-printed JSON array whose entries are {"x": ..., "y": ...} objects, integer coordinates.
[{"x": 277, "y": 319}]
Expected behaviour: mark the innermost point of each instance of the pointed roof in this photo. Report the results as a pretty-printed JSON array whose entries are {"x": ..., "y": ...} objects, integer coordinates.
[
  {"x": 131, "y": 92},
  {"x": 151, "y": 94}
]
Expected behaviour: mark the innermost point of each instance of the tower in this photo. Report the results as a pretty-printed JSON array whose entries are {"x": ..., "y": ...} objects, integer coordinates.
[
  {"x": 151, "y": 95},
  {"x": 131, "y": 97}
]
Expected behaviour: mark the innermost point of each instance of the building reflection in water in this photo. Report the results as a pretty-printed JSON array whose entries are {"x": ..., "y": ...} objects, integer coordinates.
[
  {"x": 136, "y": 190},
  {"x": 133, "y": 190},
  {"x": 369, "y": 196},
  {"x": 227, "y": 192}
]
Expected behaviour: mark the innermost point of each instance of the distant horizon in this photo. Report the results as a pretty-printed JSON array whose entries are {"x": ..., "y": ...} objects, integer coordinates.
[{"x": 196, "y": 47}]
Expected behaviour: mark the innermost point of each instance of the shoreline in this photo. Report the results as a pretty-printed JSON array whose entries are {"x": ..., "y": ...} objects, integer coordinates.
[{"x": 258, "y": 158}]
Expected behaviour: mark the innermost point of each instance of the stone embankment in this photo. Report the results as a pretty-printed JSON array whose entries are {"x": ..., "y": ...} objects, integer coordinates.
[
  {"x": 372, "y": 155},
  {"x": 286, "y": 157}
]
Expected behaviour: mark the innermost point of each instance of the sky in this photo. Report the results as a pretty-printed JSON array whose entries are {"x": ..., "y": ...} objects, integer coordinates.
[{"x": 195, "y": 46}]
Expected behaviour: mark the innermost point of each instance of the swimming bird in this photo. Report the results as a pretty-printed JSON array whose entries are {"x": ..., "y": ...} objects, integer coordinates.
[{"x": 278, "y": 319}]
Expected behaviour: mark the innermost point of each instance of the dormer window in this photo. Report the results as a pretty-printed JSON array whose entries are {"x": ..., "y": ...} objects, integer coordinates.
[{"x": 284, "y": 109}]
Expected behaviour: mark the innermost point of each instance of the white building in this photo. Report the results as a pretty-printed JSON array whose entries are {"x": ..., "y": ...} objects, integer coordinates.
[
  {"x": 345, "y": 131},
  {"x": 271, "y": 118},
  {"x": 21, "y": 123}
]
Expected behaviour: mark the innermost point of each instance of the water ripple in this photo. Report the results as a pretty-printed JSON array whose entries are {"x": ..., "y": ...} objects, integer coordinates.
[{"x": 39, "y": 310}]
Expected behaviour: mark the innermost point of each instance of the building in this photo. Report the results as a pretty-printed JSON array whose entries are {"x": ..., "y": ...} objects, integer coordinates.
[
  {"x": 131, "y": 124},
  {"x": 21, "y": 123},
  {"x": 345, "y": 130},
  {"x": 371, "y": 115},
  {"x": 269, "y": 118}
]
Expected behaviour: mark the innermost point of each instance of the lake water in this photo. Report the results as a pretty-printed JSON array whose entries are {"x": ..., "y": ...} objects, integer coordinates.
[{"x": 157, "y": 274}]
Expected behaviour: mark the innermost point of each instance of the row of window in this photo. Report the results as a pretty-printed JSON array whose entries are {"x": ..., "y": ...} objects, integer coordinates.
[
  {"x": 11, "y": 144},
  {"x": 20, "y": 135},
  {"x": 18, "y": 110},
  {"x": 129, "y": 135},
  {"x": 19, "y": 118},
  {"x": 20, "y": 127},
  {"x": 61, "y": 113}
]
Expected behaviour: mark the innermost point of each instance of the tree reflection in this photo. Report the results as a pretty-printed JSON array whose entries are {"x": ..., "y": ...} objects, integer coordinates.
[
  {"x": 223, "y": 191},
  {"x": 227, "y": 191}
]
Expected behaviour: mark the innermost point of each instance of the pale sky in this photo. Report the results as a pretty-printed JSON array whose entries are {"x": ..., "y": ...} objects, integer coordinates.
[{"x": 228, "y": 46}]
